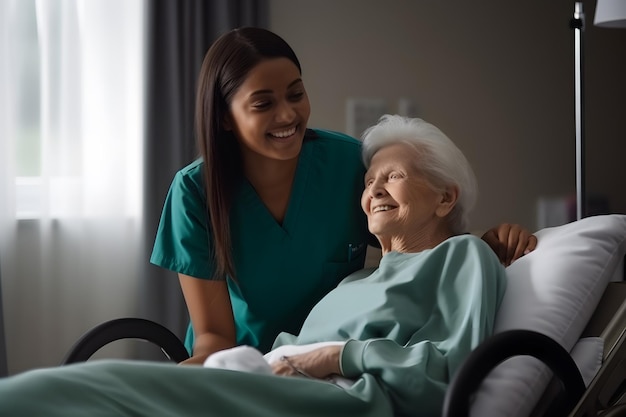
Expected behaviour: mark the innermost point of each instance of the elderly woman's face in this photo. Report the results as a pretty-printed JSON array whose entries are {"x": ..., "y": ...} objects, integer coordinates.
[{"x": 397, "y": 199}]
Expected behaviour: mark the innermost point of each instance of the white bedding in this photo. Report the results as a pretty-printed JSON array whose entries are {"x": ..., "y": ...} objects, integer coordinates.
[{"x": 248, "y": 359}]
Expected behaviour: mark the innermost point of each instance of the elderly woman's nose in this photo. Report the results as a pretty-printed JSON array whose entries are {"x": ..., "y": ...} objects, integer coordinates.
[{"x": 376, "y": 188}]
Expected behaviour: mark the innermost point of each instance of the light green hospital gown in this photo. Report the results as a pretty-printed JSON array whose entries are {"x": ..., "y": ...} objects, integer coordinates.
[{"x": 408, "y": 326}]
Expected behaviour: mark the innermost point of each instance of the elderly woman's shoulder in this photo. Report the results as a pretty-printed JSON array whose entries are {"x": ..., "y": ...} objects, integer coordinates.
[{"x": 467, "y": 242}]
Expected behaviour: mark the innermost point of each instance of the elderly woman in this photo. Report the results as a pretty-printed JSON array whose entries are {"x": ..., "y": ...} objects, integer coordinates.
[{"x": 395, "y": 336}]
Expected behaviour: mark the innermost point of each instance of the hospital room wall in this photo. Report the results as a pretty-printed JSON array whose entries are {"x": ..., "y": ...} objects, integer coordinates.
[{"x": 497, "y": 77}]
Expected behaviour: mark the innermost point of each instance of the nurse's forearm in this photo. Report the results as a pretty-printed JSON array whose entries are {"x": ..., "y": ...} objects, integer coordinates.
[{"x": 206, "y": 344}]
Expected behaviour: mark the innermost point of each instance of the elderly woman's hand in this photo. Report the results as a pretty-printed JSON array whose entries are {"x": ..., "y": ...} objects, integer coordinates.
[
  {"x": 319, "y": 363},
  {"x": 510, "y": 241}
]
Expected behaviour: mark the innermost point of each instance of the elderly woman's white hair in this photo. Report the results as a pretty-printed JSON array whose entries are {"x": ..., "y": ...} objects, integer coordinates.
[{"x": 440, "y": 160}]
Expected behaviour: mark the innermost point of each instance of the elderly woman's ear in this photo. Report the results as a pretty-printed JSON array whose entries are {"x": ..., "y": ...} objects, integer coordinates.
[{"x": 448, "y": 200}]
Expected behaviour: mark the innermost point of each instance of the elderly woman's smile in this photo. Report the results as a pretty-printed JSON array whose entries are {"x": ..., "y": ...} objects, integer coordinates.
[{"x": 382, "y": 208}]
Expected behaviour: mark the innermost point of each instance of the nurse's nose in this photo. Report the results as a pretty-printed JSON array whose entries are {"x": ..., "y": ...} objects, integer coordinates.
[{"x": 285, "y": 112}]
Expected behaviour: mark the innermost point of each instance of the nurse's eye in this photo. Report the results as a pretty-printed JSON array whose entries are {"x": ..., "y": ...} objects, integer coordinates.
[
  {"x": 261, "y": 105},
  {"x": 296, "y": 96}
]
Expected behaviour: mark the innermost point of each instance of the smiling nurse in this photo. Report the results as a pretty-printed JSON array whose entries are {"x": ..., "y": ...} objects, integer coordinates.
[{"x": 268, "y": 220}]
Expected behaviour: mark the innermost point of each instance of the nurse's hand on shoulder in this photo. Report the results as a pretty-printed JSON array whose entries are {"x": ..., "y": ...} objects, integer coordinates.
[{"x": 510, "y": 242}]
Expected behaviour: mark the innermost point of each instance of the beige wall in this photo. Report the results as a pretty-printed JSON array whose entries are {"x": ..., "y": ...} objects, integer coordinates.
[{"x": 496, "y": 76}]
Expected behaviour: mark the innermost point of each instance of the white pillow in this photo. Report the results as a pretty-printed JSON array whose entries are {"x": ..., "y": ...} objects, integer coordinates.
[
  {"x": 587, "y": 353},
  {"x": 553, "y": 290}
]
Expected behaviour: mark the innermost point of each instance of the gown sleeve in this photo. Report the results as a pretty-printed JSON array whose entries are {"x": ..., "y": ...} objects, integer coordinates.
[{"x": 416, "y": 375}]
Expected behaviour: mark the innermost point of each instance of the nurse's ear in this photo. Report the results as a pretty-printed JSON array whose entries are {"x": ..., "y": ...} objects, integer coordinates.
[
  {"x": 447, "y": 201},
  {"x": 227, "y": 122}
]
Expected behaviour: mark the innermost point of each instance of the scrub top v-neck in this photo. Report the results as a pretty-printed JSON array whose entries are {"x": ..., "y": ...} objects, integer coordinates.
[{"x": 282, "y": 270}]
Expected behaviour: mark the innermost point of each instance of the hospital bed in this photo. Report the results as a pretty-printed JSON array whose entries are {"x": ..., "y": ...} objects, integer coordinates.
[{"x": 559, "y": 342}]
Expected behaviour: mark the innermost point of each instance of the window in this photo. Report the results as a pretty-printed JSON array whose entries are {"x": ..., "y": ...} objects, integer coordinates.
[{"x": 74, "y": 90}]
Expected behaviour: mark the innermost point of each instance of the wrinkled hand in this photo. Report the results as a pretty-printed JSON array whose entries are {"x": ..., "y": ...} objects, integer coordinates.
[
  {"x": 319, "y": 363},
  {"x": 510, "y": 242}
]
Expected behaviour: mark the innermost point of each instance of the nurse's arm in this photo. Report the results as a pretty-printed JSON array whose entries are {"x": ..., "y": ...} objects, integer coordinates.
[{"x": 208, "y": 303}]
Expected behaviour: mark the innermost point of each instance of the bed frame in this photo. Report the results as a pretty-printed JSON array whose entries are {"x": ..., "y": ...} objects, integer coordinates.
[{"x": 566, "y": 394}]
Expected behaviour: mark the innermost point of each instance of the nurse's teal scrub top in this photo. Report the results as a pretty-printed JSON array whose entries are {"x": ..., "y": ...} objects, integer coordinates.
[{"x": 282, "y": 270}]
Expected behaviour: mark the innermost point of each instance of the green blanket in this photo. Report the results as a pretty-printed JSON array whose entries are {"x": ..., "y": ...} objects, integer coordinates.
[{"x": 408, "y": 326}]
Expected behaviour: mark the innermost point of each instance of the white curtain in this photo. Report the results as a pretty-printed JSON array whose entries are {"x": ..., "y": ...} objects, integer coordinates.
[{"x": 71, "y": 134}]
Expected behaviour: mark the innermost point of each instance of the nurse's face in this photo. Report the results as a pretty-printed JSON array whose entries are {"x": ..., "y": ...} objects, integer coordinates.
[{"x": 270, "y": 110}]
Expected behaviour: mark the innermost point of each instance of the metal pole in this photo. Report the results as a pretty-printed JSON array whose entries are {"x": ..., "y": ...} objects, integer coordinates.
[
  {"x": 4, "y": 371},
  {"x": 578, "y": 24}
]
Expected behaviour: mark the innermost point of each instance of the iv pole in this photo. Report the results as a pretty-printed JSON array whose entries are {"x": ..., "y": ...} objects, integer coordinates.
[{"x": 578, "y": 24}]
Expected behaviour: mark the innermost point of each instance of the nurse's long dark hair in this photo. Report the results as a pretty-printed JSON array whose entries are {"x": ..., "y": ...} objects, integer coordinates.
[{"x": 225, "y": 67}]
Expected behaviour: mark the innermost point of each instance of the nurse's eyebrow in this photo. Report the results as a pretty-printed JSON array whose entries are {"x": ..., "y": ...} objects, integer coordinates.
[
  {"x": 291, "y": 84},
  {"x": 294, "y": 82}
]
